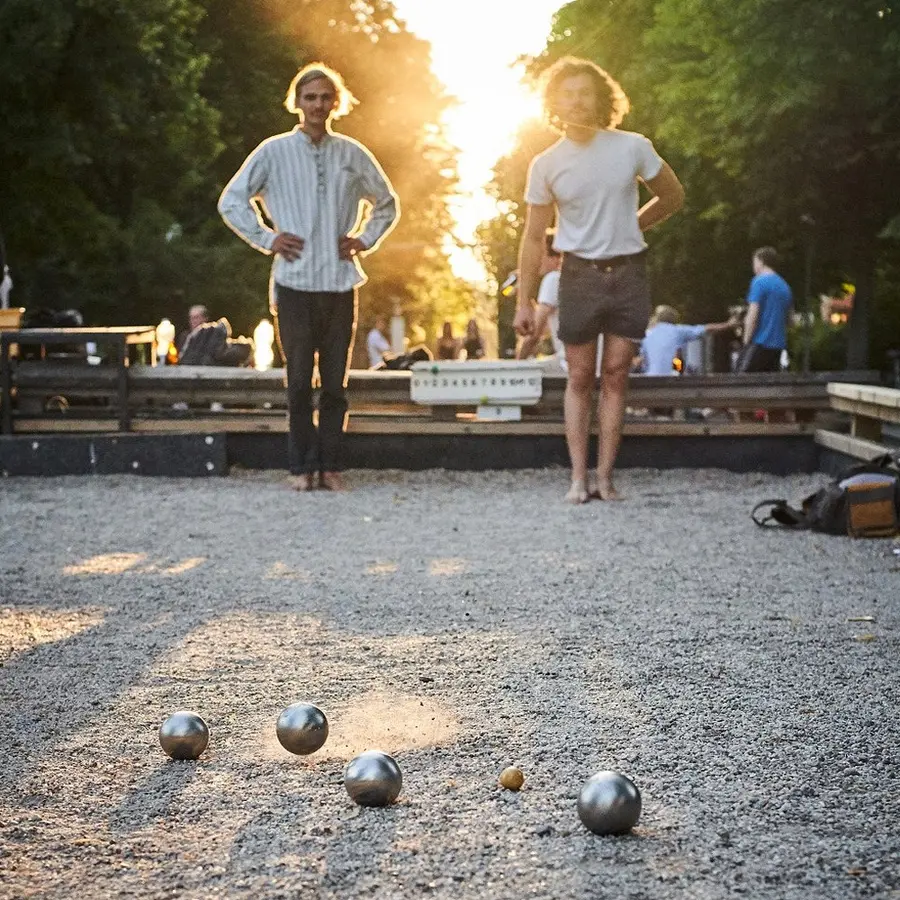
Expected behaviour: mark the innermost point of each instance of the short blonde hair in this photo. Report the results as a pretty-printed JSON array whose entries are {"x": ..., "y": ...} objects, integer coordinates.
[
  {"x": 666, "y": 314},
  {"x": 312, "y": 71}
]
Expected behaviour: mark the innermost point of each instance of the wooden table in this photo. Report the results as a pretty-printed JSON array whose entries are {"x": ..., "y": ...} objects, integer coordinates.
[{"x": 119, "y": 337}]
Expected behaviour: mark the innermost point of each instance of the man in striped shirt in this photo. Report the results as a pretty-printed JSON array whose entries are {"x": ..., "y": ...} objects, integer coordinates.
[{"x": 328, "y": 201}]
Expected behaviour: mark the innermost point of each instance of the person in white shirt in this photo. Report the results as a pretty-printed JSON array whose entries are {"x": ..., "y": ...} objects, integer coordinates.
[
  {"x": 546, "y": 314},
  {"x": 665, "y": 339},
  {"x": 590, "y": 180},
  {"x": 328, "y": 201},
  {"x": 377, "y": 344}
]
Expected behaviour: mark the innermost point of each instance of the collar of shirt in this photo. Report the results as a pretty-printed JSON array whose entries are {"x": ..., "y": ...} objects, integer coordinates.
[{"x": 307, "y": 141}]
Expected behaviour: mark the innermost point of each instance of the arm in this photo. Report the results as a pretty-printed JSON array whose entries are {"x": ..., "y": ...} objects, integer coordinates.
[
  {"x": 384, "y": 208},
  {"x": 236, "y": 205},
  {"x": 668, "y": 198},
  {"x": 529, "y": 342},
  {"x": 537, "y": 220},
  {"x": 751, "y": 320},
  {"x": 722, "y": 326}
]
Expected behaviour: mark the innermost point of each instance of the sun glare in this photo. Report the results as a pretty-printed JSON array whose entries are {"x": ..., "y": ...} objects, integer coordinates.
[{"x": 475, "y": 53}]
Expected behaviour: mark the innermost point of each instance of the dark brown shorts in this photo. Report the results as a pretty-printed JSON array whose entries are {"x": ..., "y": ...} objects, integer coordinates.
[{"x": 603, "y": 297}]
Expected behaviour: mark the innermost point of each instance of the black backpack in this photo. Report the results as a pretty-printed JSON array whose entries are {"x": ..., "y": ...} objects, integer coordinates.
[{"x": 829, "y": 509}]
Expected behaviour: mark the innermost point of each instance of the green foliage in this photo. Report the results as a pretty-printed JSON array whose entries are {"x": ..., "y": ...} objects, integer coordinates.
[
  {"x": 774, "y": 113},
  {"x": 123, "y": 121},
  {"x": 106, "y": 138},
  {"x": 827, "y": 346}
]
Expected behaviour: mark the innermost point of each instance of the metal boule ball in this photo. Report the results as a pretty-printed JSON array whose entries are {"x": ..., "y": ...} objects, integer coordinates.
[
  {"x": 512, "y": 778},
  {"x": 373, "y": 779},
  {"x": 302, "y": 728},
  {"x": 609, "y": 803},
  {"x": 184, "y": 735}
]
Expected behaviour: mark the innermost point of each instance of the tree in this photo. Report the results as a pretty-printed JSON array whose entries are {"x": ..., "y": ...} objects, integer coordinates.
[
  {"x": 106, "y": 139},
  {"x": 123, "y": 121},
  {"x": 806, "y": 126},
  {"x": 773, "y": 113}
]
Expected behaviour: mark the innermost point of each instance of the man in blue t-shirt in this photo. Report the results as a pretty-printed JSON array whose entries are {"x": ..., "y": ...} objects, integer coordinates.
[{"x": 765, "y": 327}]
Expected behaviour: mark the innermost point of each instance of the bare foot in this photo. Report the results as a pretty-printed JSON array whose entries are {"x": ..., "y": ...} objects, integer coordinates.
[
  {"x": 303, "y": 482},
  {"x": 578, "y": 493},
  {"x": 606, "y": 490},
  {"x": 332, "y": 481}
]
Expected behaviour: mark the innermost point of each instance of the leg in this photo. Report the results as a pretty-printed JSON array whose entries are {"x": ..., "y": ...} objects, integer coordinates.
[
  {"x": 579, "y": 389},
  {"x": 294, "y": 330},
  {"x": 617, "y": 355},
  {"x": 338, "y": 315}
]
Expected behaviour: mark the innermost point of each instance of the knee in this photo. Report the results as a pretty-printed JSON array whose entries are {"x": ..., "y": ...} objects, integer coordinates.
[
  {"x": 581, "y": 381},
  {"x": 333, "y": 393},
  {"x": 614, "y": 378}
]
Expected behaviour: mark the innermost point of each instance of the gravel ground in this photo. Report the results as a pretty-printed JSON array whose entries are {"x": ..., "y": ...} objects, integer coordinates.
[{"x": 463, "y": 622}]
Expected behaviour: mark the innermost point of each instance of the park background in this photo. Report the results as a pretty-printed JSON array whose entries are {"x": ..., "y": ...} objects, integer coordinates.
[{"x": 122, "y": 122}]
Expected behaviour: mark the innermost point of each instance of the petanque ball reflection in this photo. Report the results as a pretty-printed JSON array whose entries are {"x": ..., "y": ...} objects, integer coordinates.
[
  {"x": 184, "y": 735},
  {"x": 609, "y": 803},
  {"x": 373, "y": 779},
  {"x": 302, "y": 728}
]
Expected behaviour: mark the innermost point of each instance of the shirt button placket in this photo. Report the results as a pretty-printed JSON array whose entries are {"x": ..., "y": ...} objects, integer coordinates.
[{"x": 320, "y": 173}]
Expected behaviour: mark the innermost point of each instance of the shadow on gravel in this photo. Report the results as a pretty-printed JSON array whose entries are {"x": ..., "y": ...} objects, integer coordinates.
[
  {"x": 63, "y": 686},
  {"x": 154, "y": 797}
]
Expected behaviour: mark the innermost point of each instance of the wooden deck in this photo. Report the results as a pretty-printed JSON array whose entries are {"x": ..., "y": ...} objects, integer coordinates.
[
  {"x": 50, "y": 397},
  {"x": 66, "y": 419}
]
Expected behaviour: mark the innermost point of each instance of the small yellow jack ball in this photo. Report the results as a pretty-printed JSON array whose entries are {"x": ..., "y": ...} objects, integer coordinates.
[{"x": 512, "y": 778}]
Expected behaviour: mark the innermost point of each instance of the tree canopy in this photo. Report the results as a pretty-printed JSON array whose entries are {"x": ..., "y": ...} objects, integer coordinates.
[
  {"x": 123, "y": 121},
  {"x": 782, "y": 118}
]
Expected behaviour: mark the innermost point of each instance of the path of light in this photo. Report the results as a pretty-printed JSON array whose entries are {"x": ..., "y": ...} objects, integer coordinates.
[{"x": 475, "y": 45}]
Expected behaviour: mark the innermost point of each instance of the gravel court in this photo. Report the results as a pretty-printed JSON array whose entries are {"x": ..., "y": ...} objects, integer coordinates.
[{"x": 463, "y": 622}]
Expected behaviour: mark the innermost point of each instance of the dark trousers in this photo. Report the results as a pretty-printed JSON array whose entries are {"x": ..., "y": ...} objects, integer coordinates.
[
  {"x": 756, "y": 358},
  {"x": 309, "y": 323}
]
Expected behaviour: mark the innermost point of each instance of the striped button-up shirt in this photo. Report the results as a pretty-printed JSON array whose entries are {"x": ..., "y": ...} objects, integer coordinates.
[{"x": 319, "y": 192}]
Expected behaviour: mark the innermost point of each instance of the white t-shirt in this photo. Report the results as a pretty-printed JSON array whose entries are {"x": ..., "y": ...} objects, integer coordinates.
[
  {"x": 377, "y": 345},
  {"x": 595, "y": 189},
  {"x": 548, "y": 295},
  {"x": 663, "y": 341}
]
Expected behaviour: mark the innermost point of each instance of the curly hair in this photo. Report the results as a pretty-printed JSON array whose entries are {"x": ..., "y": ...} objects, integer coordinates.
[
  {"x": 612, "y": 103},
  {"x": 312, "y": 71}
]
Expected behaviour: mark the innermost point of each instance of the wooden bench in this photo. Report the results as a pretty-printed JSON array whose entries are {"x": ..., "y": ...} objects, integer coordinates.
[
  {"x": 120, "y": 338},
  {"x": 380, "y": 401},
  {"x": 869, "y": 407}
]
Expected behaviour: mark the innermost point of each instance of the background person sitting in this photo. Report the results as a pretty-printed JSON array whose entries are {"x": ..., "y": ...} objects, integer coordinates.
[
  {"x": 211, "y": 344},
  {"x": 197, "y": 315},
  {"x": 376, "y": 343},
  {"x": 448, "y": 347},
  {"x": 474, "y": 342}
]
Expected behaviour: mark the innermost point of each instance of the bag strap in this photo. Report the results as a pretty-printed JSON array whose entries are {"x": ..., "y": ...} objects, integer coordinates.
[{"x": 779, "y": 515}]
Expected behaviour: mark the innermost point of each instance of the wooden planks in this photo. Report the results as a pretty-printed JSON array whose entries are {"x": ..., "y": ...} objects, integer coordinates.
[
  {"x": 255, "y": 401},
  {"x": 412, "y": 425},
  {"x": 869, "y": 407}
]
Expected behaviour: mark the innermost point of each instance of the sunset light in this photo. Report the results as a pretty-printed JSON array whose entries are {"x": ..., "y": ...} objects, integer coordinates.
[{"x": 475, "y": 52}]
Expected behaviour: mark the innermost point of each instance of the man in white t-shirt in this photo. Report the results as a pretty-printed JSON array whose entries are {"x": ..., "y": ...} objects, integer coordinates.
[
  {"x": 376, "y": 343},
  {"x": 546, "y": 315},
  {"x": 590, "y": 179}
]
